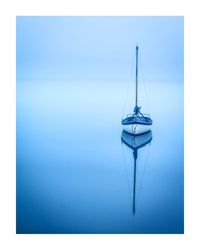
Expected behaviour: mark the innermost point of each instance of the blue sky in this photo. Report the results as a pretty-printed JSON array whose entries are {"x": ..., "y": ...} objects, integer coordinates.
[{"x": 99, "y": 48}]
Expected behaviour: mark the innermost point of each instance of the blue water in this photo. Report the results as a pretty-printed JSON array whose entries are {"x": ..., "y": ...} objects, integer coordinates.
[{"x": 74, "y": 175}]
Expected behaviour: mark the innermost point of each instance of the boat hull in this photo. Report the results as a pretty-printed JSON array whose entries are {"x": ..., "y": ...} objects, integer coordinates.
[{"x": 136, "y": 129}]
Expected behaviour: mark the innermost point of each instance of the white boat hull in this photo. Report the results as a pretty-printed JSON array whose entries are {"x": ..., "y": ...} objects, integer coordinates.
[{"x": 136, "y": 129}]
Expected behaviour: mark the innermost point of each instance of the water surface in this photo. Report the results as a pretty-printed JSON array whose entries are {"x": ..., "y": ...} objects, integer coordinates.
[{"x": 74, "y": 175}]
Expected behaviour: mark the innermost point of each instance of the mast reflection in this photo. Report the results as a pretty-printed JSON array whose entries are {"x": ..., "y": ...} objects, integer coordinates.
[{"x": 135, "y": 142}]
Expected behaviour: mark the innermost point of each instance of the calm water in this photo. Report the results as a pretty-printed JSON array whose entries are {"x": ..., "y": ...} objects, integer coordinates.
[{"x": 74, "y": 175}]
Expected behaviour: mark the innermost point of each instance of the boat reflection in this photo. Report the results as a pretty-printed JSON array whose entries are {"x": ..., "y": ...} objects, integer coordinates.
[{"x": 135, "y": 142}]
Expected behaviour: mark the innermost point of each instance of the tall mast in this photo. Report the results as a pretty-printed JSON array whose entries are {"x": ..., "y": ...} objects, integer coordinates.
[{"x": 136, "y": 78}]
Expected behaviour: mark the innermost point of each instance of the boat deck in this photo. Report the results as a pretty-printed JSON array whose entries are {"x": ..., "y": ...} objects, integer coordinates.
[{"x": 143, "y": 120}]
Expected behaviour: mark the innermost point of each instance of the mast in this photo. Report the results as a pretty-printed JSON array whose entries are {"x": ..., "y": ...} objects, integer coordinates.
[{"x": 136, "y": 78}]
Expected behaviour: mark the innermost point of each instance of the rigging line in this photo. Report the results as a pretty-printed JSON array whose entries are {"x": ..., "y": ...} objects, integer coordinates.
[
  {"x": 129, "y": 84},
  {"x": 144, "y": 171},
  {"x": 125, "y": 166},
  {"x": 126, "y": 97},
  {"x": 145, "y": 89}
]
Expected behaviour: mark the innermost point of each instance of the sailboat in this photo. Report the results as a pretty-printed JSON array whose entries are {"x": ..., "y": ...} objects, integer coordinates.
[
  {"x": 137, "y": 122},
  {"x": 135, "y": 142}
]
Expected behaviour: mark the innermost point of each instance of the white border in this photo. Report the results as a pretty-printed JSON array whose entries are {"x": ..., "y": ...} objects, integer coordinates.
[{"x": 9, "y": 10}]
